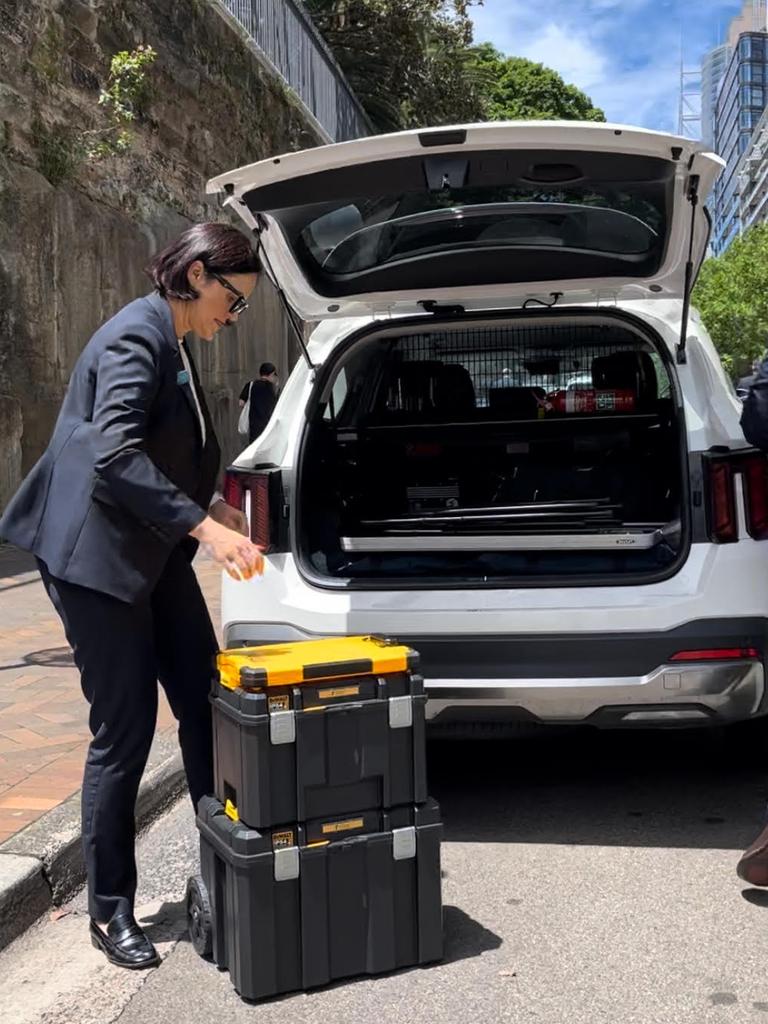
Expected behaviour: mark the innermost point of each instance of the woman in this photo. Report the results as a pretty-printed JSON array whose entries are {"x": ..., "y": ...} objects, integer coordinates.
[{"x": 114, "y": 511}]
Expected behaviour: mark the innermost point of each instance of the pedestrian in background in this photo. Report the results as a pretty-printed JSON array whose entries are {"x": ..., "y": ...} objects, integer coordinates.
[
  {"x": 114, "y": 511},
  {"x": 743, "y": 384},
  {"x": 260, "y": 396}
]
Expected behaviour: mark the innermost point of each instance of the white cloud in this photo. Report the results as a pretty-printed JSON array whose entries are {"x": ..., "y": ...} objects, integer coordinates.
[
  {"x": 647, "y": 97},
  {"x": 574, "y": 57},
  {"x": 623, "y": 53}
]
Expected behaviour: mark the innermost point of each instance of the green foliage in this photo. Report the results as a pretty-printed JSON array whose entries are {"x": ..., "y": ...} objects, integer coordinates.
[
  {"x": 408, "y": 61},
  {"x": 125, "y": 98},
  {"x": 59, "y": 151},
  {"x": 62, "y": 149},
  {"x": 412, "y": 63},
  {"x": 518, "y": 89},
  {"x": 732, "y": 297}
]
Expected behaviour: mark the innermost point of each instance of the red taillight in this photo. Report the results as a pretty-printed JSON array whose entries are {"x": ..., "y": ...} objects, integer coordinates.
[
  {"x": 250, "y": 492},
  {"x": 234, "y": 490},
  {"x": 722, "y": 471},
  {"x": 260, "y": 517},
  {"x": 723, "y": 528},
  {"x": 717, "y": 654},
  {"x": 754, "y": 468}
]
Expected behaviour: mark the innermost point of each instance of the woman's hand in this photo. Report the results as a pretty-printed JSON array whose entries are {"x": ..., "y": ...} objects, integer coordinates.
[
  {"x": 228, "y": 516},
  {"x": 234, "y": 552}
]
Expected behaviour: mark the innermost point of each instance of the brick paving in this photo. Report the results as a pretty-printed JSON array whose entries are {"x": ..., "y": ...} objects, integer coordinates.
[{"x": 43, "y": 715}]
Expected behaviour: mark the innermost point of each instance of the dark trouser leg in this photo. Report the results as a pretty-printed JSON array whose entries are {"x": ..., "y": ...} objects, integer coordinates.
[
  {"x": 113, "y": 648},
  {"x": 186, "y": 650}
]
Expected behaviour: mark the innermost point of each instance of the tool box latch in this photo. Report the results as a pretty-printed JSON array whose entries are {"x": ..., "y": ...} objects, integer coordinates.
[
  {"x": 282, "y": 727},
  {"x": 404, "y": 843},
  {"x": 287, "y": 864},
  {"x": 400, "y": 712}
]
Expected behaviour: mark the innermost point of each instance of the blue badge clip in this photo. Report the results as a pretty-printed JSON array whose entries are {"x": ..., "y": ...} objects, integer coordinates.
[{"x": 182, "y": 377}]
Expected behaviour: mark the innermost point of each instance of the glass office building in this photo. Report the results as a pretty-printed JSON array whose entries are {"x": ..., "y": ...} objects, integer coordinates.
[
  {"x": 713, "y": 67},
  {"x": 753, "y": 178},
  {"x": 739, "y": 107}
]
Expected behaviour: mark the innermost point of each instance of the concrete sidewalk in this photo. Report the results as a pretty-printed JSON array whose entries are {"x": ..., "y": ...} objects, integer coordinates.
[{"x": 43, "y": 738}]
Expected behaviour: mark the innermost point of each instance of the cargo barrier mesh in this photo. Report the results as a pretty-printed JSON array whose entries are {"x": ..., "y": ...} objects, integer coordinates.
[{"x": 549, "y": 358}]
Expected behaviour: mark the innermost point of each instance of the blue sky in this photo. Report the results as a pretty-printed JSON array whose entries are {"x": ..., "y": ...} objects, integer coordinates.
[{"x": 625, "y": 54}]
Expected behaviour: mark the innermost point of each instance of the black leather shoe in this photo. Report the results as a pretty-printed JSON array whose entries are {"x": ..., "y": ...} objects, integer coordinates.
[{"x": 124, "y": 943}]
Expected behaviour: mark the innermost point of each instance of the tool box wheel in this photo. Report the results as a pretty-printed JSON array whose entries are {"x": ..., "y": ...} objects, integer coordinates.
[{"x": 199, "y": 917}]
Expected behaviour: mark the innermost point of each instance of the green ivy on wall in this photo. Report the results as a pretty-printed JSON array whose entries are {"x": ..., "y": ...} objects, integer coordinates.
[
  {"x": 125, "y": 98},
  {"x": 61, "y": 150}
]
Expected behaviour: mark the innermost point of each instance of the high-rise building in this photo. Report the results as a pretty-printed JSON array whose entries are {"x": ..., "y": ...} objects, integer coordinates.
[
  {"x": 753, "y": 18},
  {"x": 753, "y": 177},
  {"x": 740, "y": 104},
  {"x": 712, "y": 70}
]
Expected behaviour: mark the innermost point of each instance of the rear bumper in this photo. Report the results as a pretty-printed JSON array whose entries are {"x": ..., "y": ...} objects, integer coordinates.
[
  {"x": 672, "y": 695},
  {"x": 609, "y": 680}
]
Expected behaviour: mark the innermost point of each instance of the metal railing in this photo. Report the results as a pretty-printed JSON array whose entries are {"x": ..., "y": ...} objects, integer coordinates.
[{"x": 285, "y": 34}]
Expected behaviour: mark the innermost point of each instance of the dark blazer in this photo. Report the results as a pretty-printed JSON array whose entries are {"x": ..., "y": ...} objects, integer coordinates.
[{"x": 125, "y": 476}]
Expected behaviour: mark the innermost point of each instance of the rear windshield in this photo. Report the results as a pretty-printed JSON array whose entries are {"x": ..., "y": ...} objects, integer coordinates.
[{"x": 484, "y": 218}]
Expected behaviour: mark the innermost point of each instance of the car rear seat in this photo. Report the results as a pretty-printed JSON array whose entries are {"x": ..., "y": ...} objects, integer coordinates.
[
  {"x": 454, "y": 392},
  {"x": 410, "y": 392},
  {"x": 618, "y": 466},
  {"x": 516, "y": 403},
  {"x": 627, "y": 371}
]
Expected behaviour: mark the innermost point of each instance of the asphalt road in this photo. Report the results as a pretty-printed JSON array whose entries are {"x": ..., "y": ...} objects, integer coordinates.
[{"x": 587, "y": 878}]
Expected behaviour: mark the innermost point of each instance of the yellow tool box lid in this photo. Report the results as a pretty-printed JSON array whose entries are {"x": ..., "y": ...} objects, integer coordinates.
[{"x": 307, "y": 661}]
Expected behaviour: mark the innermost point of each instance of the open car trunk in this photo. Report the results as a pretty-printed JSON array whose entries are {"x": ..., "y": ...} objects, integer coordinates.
[{"x": 527, "y": 450}]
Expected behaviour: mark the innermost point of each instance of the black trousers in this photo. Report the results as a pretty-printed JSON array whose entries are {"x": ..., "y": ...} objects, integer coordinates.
[{"x": 122, "y": 651}]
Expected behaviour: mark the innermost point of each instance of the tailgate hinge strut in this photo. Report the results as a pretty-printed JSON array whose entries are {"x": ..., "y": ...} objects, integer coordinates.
[
  {"x": 293, "y": 320},
  {"x": 693, "y": 199}
]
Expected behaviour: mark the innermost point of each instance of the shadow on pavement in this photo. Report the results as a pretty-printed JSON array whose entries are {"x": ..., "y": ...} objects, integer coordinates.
[
  {"x": 4, "y": 587},
  {"x": 465, "y": 937},
  {"x": 50, "y": 657},
  {"x": 14, "y": 562},
  {"x": 757, "y": 897},
  {"x": 60, "y": 657},
  {"x": 168, "y": 922},
  {"x": 697, "y": 789}
]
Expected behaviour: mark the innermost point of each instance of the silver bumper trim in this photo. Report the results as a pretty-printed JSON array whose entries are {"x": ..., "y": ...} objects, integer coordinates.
[
  {"x": 731, "y": 690},
  {"x": 521, "y": 542}
]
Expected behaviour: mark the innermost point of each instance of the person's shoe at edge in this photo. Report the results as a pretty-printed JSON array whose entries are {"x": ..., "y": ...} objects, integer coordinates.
[
  {"x": 753, "y": 865},
  {"x": 124, "y": 943}
]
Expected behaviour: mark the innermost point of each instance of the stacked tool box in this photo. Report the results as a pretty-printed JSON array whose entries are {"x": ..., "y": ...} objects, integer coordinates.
[{"x": 320, "y": 851}]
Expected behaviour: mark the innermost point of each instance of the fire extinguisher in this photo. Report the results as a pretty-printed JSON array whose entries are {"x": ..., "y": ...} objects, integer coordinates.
[{"x": 592, "y": 400}]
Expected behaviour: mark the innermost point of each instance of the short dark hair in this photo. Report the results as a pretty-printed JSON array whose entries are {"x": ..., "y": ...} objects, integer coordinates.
[
  {"x": 219, "y": 247},
  {"x": 267, "y": 369}
]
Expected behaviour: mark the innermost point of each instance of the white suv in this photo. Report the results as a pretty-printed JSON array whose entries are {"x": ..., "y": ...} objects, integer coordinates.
[{"x": 557, "y": 553}]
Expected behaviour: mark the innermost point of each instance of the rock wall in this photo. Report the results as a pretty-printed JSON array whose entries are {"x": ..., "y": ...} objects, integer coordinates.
[{"x": 75, "y": 233}]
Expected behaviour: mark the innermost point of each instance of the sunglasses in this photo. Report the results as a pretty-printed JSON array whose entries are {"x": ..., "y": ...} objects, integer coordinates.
[{"x": 241, "y": 303}]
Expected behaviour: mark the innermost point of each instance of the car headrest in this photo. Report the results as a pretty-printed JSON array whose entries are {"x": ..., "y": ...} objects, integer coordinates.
[
  {"x": 454, "y": 391},
  {"x": 412, "y": 385},
  {"x": 626, "y": 371}
]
